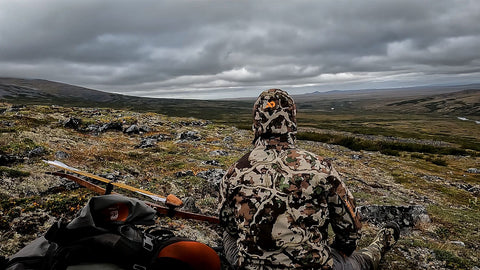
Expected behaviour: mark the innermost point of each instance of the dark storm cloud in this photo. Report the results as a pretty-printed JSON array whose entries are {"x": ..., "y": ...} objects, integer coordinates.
[{"x": 159, "y": 48}]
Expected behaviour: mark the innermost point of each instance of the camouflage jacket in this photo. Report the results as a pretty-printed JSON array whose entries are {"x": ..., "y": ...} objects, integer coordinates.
[{"x": 278, "y": 201}]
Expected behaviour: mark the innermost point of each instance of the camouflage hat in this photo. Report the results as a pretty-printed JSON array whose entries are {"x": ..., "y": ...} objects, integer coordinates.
[{"x": 274, "y": 114}]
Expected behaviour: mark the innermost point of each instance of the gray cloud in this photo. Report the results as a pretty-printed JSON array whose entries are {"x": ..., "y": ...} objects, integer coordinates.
[{"x": 224, "y": 48}]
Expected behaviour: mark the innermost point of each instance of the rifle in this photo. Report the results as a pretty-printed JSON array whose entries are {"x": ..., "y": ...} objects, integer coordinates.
[
  {"x": 170, "y": 199},
  {"x": 168, "y": 210}
]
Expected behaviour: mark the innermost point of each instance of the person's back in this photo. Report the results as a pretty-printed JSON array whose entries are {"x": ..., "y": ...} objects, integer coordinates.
[{"x": 277, "y": 200}]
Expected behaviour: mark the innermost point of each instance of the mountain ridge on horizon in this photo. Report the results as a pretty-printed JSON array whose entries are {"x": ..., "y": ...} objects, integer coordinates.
[{"x": 464, "y": 99}]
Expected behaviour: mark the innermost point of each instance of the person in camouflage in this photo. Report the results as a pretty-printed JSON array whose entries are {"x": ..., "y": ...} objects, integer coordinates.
[{"x": 277, "y": 201}]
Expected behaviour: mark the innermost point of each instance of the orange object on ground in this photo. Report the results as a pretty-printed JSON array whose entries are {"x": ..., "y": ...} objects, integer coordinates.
[{"x": 197, "y": 255}]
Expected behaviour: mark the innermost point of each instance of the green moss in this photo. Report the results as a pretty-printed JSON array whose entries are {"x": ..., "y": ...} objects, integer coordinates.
[
  {"x": 8, "y": 172},
  {"x": 19, "y": 147},
  {"x": 60, "y": 204},
  {"x": 452, "y": 261}
]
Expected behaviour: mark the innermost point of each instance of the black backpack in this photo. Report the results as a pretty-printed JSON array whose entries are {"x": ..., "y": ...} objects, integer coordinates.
[{"x": 103, "y": 232}]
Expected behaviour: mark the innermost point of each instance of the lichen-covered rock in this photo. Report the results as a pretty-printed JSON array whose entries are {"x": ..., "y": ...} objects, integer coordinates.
[
  {"x": 405, "y": 216},
  {"x": 73, "y": 122}
]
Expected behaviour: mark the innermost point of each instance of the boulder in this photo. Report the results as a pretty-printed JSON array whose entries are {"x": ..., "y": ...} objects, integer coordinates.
[
  {"x": 111, "y": 126},
  {"x": 189, "y": 136},
  {"x": 37, "y": 152},
  {"x": 184, "y": 173},
  {"x": 73, "y": 122},
  {"x": 133, "y": 129},
  {"x": 151, "y": 141},
  {"x": 404, "y": 216}
]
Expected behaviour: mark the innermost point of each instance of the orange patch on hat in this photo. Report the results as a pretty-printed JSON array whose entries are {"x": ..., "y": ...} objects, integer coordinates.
[{"x": 270, "y": 104}]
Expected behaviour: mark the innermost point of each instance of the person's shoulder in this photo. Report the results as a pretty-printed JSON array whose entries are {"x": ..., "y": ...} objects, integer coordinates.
[
  {"x": 304, "y": 153},
  {"x": 303, "y": 159}
]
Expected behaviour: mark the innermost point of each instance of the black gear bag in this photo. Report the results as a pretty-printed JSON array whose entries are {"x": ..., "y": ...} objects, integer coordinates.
[{"x": 103, "y": 232}]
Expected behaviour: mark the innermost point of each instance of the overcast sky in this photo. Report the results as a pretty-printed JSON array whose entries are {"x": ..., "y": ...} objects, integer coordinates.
[{"x": 236, "y": 48}]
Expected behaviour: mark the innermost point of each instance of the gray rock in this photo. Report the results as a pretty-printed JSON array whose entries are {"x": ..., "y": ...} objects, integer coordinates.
[
  {"x": 151, "y": 141},
  {"x": 73, "y": 122},
  {"x": 92, "y": 128},
  {"x": 110, "y": 126},
  {"x": 61, "y": 155},
  {"x": 405, "y": 216},
  {"x": 189, "y": 136},
  {"x": 144, "y": 129},
  {"x": 212, "y": 175},
  {"x": 133, "y": 129},
  {"x": 15, "y": 108},
  {"x": 218, "y": 153},
  {"x": 146, "y": 143},
  {"x": 184, "y": 173},
  {"x": 473, "y": 170},
  {"x": 7, "y": 123},
  {"x": 189, "y": 205},
  {"x": 228, "y": 139},
  {"x": 197, "y": 123},
  {"x": 475, "y": 189},
  {"x": 37, "y": 152},
  {"x": 211, "y": 162}
]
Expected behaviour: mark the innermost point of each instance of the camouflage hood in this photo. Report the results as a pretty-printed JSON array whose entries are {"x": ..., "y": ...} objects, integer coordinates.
[{"x": 274, "y": 118}]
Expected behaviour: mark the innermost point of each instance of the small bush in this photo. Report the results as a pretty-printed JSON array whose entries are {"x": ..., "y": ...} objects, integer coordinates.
[
  {"x": 390, "y": 152},
  {"x": 416, "y": 155},
  {"x": 439, "y": 162}
]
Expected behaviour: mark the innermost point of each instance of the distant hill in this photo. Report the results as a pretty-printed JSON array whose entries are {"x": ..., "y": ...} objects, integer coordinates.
[
  {"x": 404, "y": 92},
  {"x": 466, "y": 102},
  {"x": 463, "y": 100},
  {"x": 460, "y": 100},
  {"x": 34, "y": 91}
]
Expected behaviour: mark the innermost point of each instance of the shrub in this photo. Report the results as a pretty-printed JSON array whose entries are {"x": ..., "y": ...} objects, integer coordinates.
[
  {"x": 439, "y": 162},
  {"x": 388, "y": 148},
  {"x": 390, "y": 152},
  {"x": 417, "y": 155}
]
